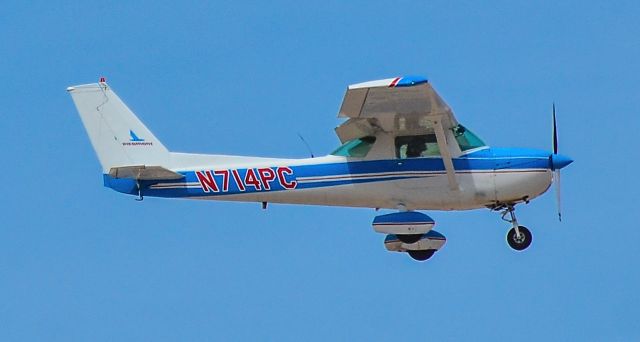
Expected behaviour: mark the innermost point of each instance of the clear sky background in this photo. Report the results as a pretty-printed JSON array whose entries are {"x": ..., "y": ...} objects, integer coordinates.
[{"x": 80, "y": 262}]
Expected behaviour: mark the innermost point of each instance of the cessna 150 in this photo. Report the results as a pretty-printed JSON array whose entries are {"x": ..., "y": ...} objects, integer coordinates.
[{"x": 402, "y": 149}]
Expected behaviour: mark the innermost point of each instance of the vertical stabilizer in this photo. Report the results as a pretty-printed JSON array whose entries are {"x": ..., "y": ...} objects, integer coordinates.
[{"x": 117, "y": 135}]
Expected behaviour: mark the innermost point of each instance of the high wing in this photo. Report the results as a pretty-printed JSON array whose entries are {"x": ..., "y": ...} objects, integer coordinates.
[
  {"x": 408, "y": 104},
  {"x": 401, "y": 105}
]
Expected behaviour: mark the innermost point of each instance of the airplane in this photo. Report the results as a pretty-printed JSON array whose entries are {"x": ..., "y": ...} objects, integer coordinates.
[{"x": 402, "y": 149}]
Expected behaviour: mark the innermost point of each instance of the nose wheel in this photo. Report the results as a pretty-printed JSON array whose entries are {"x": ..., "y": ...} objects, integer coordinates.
[
  {"x": 520, "y": 241},
  {"x": 519, "y": 237}
]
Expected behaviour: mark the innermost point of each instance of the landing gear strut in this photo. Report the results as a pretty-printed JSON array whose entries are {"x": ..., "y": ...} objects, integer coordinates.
[
  {"x": 140, "y": 196},
  {"x": 518, "y": 237}
]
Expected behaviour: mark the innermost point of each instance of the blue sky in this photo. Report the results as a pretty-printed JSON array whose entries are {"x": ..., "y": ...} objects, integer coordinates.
[{"x": 80, "y": 262}]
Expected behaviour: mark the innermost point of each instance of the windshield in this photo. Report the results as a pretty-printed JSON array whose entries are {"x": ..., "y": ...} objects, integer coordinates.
[
  {"x": 355, "y": 148},
  {"x": 466, "y": 139}
]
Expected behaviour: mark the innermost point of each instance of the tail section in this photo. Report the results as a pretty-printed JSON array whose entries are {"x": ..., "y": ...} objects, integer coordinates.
[{"x": 117, "y": 135}]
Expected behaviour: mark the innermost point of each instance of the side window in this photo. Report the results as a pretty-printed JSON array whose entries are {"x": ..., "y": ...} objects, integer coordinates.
[
  {"x": 355, "y": 148},
  {"x": 416, "y": 146}
]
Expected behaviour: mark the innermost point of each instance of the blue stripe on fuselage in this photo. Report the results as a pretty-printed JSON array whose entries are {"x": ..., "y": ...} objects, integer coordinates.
[{"x": 380, "y": 170}]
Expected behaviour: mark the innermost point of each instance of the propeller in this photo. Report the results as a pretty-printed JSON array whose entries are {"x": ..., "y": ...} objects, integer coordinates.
[
  {"x": 555, "y": 131},
  {"x": 557, "y": 162},
  {"x": 556, "y": 172}
]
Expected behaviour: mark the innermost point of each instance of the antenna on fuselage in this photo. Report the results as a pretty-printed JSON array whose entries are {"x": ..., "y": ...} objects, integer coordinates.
[{"x": 307, "y": 145}]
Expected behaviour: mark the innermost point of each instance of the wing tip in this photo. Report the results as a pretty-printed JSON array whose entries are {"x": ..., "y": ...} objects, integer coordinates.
[
  {"x": 411, "y": 80},
  {"x": 404, "y": 81}
]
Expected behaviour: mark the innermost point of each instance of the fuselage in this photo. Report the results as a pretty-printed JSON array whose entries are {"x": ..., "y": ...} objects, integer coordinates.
[
  {"x": 487, "y": 177},
  {"x": 401, "y": 148}
]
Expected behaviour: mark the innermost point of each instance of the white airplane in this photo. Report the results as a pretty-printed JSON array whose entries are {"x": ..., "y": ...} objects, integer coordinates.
[{"x": 402, "y": 149}]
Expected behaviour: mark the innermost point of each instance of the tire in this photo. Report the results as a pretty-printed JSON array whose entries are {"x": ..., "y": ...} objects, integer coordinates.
[
  {"x": 519, "y": 244},
  {"x": 421, "y": 255},
  {"x": 409, "y": 238}
]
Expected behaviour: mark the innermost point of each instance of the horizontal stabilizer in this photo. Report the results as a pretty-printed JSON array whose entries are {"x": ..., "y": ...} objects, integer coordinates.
[{"x": 142, "y": 172}]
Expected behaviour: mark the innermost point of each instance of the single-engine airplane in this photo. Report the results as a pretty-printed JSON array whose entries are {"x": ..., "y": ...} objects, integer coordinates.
[{"x": 402, "y": 149}]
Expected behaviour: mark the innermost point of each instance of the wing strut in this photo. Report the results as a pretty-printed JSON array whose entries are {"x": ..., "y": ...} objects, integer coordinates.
[{"x": 446, "y": 155}]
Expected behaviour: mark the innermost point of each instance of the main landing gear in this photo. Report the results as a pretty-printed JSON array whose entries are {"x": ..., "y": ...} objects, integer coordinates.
[
  {"x": 421, "y": 255},
  {"x": 518, "y": 237}
]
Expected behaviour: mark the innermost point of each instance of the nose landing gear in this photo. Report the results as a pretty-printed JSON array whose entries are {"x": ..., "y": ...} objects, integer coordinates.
[
  {"x": 518, "y": 237},
  {"x": 519, "y": 242}
]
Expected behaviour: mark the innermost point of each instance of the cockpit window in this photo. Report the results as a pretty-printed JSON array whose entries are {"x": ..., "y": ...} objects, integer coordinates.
[
  {"x": 355, "y": 148},
  {"x": 466, "y": 139},
  {"x": 416, "y": 146}
]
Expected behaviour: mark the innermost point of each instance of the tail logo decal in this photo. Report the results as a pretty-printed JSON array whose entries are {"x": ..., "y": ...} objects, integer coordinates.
[
  {"x": 135, "y": 140},
  {"x": 134, "y": 137}
]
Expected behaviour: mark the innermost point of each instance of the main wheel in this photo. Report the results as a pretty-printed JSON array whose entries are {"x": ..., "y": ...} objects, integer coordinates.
[
  {"x": 421, "y": 255},
  {"x": 409, "y": 238},
  {"x": 521, "y": 242}
]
